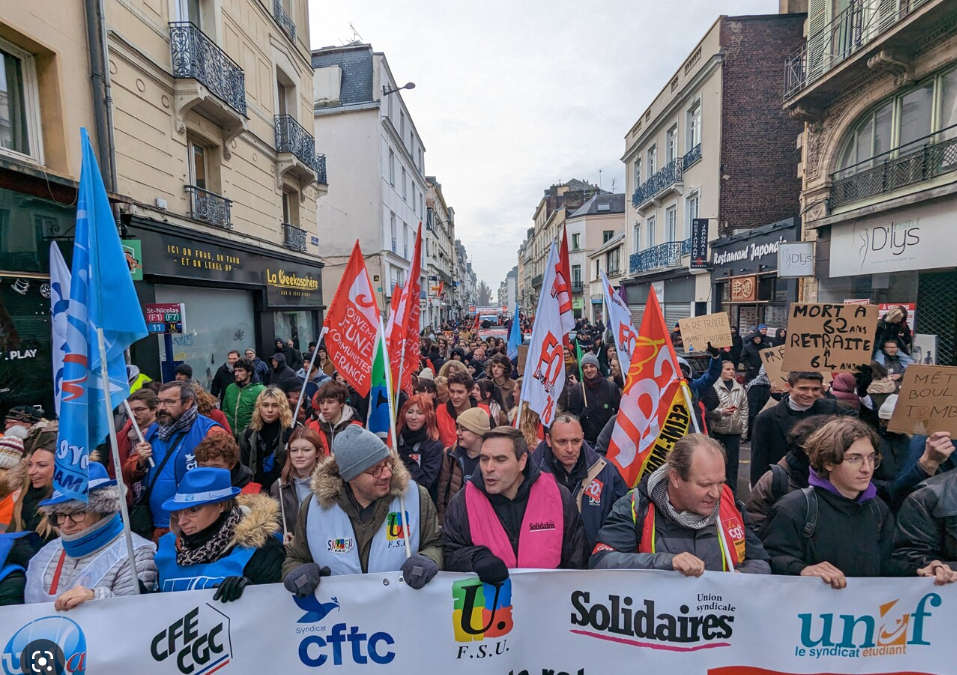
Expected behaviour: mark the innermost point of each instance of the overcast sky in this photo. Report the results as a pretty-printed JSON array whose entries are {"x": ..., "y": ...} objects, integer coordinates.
[{"x": 514, "y": 95}]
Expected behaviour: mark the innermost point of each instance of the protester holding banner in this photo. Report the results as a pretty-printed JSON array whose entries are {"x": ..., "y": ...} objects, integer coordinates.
[
  {"x": 683, "y": 517},
  {"x": 418, "y": 443},
  {"x": 594, "y": 400},
  {"x": 511, "y": 515},
  {"x": 927, "y": 530},
  {"x": 219, "y": 539},
  {"x": 262, "y": 444},
  {"x": 837, "y": 527},
  {"x": 89, "y": 560},
  {"x": 294, "y": 485},
  {"x": 593, "y": 482},
  {"x": 805, "y": 398},
  {"x": 929, "y": 456},
  {"x": 363, "y": 499},
  {"x": 790, "y": 473}
]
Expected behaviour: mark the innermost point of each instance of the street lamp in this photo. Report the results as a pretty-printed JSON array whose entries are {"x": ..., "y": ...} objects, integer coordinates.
[{"x": 407, "y": 85}]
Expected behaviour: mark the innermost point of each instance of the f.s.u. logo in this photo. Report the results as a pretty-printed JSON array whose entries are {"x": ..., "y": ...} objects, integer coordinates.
[{"x": 480, "y": 610}]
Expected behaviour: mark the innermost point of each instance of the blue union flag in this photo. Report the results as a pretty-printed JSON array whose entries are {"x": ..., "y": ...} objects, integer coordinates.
[{"x": 101, "y": 296}]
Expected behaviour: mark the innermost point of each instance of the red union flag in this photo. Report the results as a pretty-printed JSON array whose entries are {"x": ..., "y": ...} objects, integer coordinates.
[
  {"x": 544, "y": 376},
  {"x": 562, "y": 288},
  {"x": 619, "y": 321},
  {"x": 402, "y": 335},
  {"x": 352, "y": 324},
  {"x": 653, "y": 414}
]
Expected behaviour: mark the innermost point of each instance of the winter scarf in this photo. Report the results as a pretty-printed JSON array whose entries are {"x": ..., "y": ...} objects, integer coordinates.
[
  {"x": 165, "y": 432},
  {"x": 208, "y": 545},
  {"x": 410, "y": 438},
  {"x": 93, "y": 538},
  {"x": 658, "y": 490},
  {"x": 761, "y": 380}
]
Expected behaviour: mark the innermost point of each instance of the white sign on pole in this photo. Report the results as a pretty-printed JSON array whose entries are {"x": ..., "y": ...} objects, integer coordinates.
[{"x": 796, "y": 259}]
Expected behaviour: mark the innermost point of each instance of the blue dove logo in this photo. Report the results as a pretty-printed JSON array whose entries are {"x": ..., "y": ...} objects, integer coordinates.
[{"x": 315, "y": 611}]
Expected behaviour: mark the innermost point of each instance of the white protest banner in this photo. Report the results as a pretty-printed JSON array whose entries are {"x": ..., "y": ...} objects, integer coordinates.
[
  {"x": 589, "y": 622},
  {"x": 619, "y": 321},
  {"x": 542, "y": 386},
  {"x": 698, "y": 331}
]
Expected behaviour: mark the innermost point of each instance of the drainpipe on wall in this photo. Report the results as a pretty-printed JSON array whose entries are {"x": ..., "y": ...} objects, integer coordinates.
[{"x": 100, "y": 81}]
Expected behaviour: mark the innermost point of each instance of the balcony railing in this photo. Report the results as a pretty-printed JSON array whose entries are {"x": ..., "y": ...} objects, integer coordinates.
[
  {"x": 672, "y": 173},
  {"x": 284, "y": 20},
  {"x": 577, "y": 286},
  {"x": 919, "y": 161},
  {"x": 293, "y": 237},
  {"x": 662, "y": 256},
  {"x": 209, "y": 207},
  {"x": 293, "y": 137},
  {"x": 859, "y": 25},
  {"x": 197, "y": 57}
]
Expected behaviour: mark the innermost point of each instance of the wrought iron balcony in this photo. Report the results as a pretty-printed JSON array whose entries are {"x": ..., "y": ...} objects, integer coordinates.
[
  {"x": 917, "y": 162},
  {"x": 658, "y": 183},
  {"x": 861, "y": 24},
  {"x": 320, "y": 167},
  {"x": 293, "y": 137},
  {"x": 663, "y": 256},
  {"x": 537, "y": 280},
  {"x": 197, "y": 57},
  {"x": 209, "y": 207},
  {"x": 293, "y": 238},
  {"x": 577, "y": 286},
  {"x": 284, "y": 20},
  {"x": 691, "y": 157}
]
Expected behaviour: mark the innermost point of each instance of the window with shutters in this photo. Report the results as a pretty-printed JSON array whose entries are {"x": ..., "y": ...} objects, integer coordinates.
[{"x": 672, "y": 144}]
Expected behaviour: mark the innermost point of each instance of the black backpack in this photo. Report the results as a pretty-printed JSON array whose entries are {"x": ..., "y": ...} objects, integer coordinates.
[{"x": 810, "y": 515}]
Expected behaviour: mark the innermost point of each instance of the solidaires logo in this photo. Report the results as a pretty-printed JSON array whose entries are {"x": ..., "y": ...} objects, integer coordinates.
[{"x": 481, "y": 611}]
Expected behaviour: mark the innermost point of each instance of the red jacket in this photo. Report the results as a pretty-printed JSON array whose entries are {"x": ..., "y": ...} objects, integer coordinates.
[{"x": 446, "y": 416}]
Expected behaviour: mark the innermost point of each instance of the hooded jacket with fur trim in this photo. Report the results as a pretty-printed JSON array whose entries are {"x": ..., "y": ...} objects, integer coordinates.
[{"x": 329, "y": 489}]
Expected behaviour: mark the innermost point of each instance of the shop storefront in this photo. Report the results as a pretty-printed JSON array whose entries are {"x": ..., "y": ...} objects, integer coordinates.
[
  {"x": 744, "y": 276},
  {"x": 236, "y": 296},
  {"x": 901, "y": 257},
  {"x": 678, "y": 296}
]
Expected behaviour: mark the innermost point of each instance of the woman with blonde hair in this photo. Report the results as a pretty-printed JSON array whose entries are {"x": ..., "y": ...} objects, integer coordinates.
[
  {"x": 262, "y": 444},
  {"x": 36, "y": 482},
  {"x": 449, "y": 366}
]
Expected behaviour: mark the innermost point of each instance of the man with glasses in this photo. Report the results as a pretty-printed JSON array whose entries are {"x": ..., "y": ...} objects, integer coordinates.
[
  {"x": 169, "y": 449},
  {"x": 365, "y": 514}
]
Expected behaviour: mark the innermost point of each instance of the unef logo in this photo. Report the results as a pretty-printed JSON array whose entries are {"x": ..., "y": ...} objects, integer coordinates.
[
  {"x": 481, "y": 612},
  {"x": 593, "y": 492},
  {"x": 849, "y": 636},
  {"x": 397, "y": 528}
]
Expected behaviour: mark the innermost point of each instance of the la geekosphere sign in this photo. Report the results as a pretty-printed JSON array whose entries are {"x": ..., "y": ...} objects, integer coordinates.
[{"x": 914, "y": 239}]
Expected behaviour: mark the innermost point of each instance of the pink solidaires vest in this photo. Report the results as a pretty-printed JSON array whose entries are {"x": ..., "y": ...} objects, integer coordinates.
[{"x": 540, "y": 540}]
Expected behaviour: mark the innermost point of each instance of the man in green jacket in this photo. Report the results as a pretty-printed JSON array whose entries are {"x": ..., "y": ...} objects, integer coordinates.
[{"x": 240, "y": 399}]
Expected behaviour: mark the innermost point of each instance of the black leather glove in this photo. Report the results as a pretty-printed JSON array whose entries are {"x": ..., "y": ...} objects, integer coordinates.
[
  {"x": 231, "y": 588},
  {"x": 489, "y": 567},
  {"x": 418, "y": 570},
  {"x": 304, "y": 580},
  {"x": 714, "y": 351},
  {"x": 864, "y": 377}
]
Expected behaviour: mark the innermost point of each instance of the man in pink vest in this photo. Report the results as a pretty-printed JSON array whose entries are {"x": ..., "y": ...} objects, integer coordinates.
[{"x": 511, "y": 515}]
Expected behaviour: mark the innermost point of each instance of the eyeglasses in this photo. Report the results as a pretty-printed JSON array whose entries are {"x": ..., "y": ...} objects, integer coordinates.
[
  {"x": 377, "y": 470},
  {"x": 167, "y": 401},
  {"x": 856, "y": 461},
  {"x": 77, "y": 518},
  {"x": 191, "y": 512}
]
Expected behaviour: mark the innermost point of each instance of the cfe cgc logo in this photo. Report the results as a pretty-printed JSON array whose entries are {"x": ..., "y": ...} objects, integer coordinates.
[
  {"x": 888, "y": 632},
  {"x": 34, "y": 648},
  {"x": 198, "y": 643},
  {"x": 340, "y": 644},
  {"x": 481, "y": 612}
]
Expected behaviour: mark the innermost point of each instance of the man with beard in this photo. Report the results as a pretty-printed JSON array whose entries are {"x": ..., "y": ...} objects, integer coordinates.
[{"x": 171, "y": 444}]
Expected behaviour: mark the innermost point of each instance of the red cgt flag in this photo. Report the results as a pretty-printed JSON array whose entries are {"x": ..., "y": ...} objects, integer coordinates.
[
  {"x": 352, "y": 323},
  {"x": 652, "y": 414},
  {"x": 403, "y": 333}
]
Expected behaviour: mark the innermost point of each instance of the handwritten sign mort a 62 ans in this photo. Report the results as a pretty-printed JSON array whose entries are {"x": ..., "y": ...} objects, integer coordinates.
[
  {"x": 927, "y": 401},
  {"x": 829, "y": 337}
]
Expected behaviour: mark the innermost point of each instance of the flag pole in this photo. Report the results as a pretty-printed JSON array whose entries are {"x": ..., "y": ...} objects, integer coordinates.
[
  {"x": 124, "y": 510},
  {"x": 139, "y": 434},
  {"x": 392, "y": 433},
  {"x": 312, "y": 361},
  {"x": 691, "y": 411}
]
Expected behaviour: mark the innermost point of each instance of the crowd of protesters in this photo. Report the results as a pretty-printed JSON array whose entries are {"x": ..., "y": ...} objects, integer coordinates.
[{"x": 231, "y": 487}]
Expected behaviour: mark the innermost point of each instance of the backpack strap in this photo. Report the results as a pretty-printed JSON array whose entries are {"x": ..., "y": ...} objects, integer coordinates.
[
  {"x": 875, "y": 509},
  {"x": 810, "y": 517},
  {"x": 779, "y": 482}
]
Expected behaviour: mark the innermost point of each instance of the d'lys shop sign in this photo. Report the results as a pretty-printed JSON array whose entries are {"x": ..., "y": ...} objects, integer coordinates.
[{"x": 913, "y": 239}]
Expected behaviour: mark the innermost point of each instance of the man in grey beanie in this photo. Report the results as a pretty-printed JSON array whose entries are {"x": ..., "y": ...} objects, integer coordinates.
[
  {"x": 365, "y": 514},
  {"x": 594, "y": 400}
]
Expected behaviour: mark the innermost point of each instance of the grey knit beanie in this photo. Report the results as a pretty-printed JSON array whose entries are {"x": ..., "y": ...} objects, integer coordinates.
[
  {"x": 356, "y": 449},
  {"x": 590, "y": 359}
]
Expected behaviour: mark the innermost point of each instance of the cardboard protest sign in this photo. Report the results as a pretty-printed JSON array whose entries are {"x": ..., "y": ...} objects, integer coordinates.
[
  {"x": 773, "y": 359},
  {"x": 927, "y": 401},
  {"x": 829, "y": 337},
  {"x": 522, "y": 358},
  {"x": 698, "y": 331}
]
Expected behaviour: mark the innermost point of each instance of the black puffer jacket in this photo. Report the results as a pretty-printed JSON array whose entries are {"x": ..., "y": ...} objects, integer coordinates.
[
  {"x": 603, "y": 399},
  {"x": 751, "y": 355},
  {"x": 927, "y": 524}
]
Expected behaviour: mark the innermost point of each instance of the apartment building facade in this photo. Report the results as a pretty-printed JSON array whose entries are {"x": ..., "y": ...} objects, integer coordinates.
[{"x": 589, "y": 228}]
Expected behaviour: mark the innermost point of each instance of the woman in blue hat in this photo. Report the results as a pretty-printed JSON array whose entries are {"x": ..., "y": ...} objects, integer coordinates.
[
  {"x": 217, "y": 539},
  {"x": 89, "y": 561}
]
